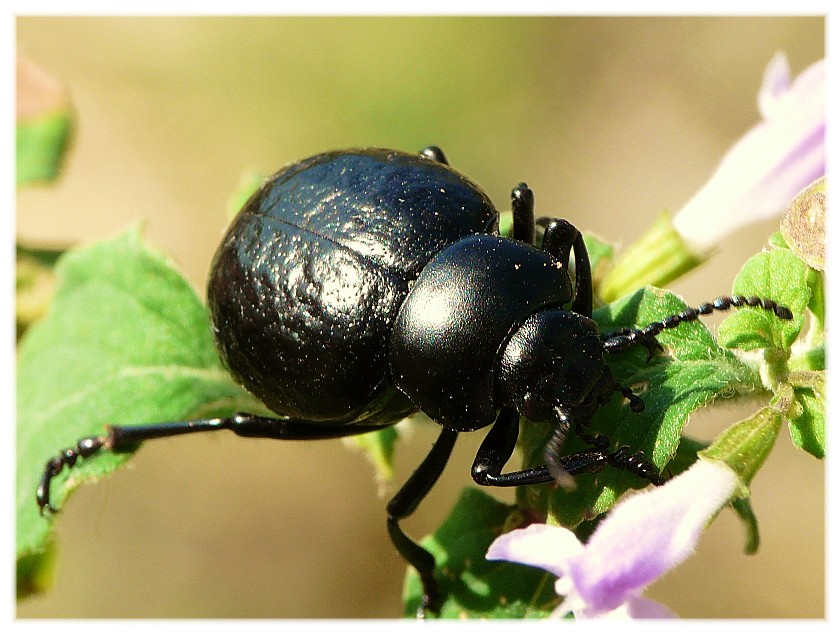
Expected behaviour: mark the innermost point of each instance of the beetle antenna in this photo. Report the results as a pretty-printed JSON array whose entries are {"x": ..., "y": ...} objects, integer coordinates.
[{"x": 624, "y": 338}]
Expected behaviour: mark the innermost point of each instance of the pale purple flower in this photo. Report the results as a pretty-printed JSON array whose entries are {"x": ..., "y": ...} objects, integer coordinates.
[
  {"x": 773, "y": 162},
  {"x": 640, "y": 540}
]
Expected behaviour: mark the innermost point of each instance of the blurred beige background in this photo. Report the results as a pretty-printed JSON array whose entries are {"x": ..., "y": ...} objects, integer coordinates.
[{"x": 610, "y": 120}]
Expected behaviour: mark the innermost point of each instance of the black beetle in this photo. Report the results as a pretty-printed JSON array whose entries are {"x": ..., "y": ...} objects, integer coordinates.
[{"x": 358, "y": 286}]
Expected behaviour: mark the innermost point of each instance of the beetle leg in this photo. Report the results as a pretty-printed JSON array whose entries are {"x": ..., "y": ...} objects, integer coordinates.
[
  {"x": 125, "y": 437},
  {"x": 434, "y": 153},
  {"x": 522, "y": 206},
  {"x": 637, "y": 405},
  {"x": 560, "y": 238},
  {"x": 636, "y": 464},
  {"x": 583, "y": 279},
  {"x": 621, "y": 458},
  {"x": 498, "y": 446},
  {"x": 405, "y": 502},
  {"x": 84, "y": 448}
]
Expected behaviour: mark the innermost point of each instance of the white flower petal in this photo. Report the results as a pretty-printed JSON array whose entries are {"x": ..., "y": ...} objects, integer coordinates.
[
  {"x": 648, "y": 534},
  {"x": 641, "y": 608},
  {"x": 775, "y": 84},
  {"x": 768, "y": 166},
  {"x": 540, "y": 545},
  {"x": 635, "y": 607},
  {"x": 642, "y": 538}
]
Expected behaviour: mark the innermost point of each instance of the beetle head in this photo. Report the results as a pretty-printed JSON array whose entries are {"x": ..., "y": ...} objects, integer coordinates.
[{"x": 555, "y": 359}]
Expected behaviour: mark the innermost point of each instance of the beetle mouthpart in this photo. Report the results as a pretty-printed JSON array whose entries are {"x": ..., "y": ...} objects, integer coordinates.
[
  {"x": 559, "y": 473},
  {"x": 554, "y": 448}
]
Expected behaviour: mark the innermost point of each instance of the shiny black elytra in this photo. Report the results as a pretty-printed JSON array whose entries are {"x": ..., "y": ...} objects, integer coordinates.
[{"x": 357, "y": 286}]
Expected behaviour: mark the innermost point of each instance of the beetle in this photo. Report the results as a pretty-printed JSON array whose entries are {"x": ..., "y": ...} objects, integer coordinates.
[{"x": 358, "y": 286}]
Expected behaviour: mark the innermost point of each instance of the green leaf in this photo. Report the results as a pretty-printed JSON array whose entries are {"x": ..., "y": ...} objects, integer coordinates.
[
  {"x": 807, "y": 425},
  {"x": 126, "y": 341},
  {"x": 249, "y": 182},
  {"x": 506, "y": 224},
  {"x": 692, "y": 373},
  {"x": 40, "y": 147},
  {"x": 35, "y": 571},
  {"x": 45, "y": 256},
  {"x": 378, "y": 446},
  {"x": 475, "y": 587},
  {"x": 744, "y": 510},
  {"x": 686, "y": 454},
  {"x": 34, "y": 284},
  {"x": 816, "y": 283},
  {"x": 779, "y": 275},
  {"x": 600, "y": 255},
  {"x": 777, "y": 240}
]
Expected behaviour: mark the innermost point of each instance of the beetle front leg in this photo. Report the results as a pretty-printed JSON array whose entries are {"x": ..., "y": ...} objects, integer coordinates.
[
  {"x": 496, "y": 450},
  {"x": 498, "y": 446}
]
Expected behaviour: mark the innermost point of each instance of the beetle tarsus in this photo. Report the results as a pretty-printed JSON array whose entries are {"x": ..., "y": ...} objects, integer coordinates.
[
  {"x": 636, "y": 464},
  {"x": 85, "y": 448}
]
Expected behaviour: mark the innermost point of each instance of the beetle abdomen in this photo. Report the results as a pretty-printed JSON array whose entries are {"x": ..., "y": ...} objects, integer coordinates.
[
  {"x": 305, "y": 286},
  {"x": 451, "y": 328},
  {"x": 303, "y": 324}
]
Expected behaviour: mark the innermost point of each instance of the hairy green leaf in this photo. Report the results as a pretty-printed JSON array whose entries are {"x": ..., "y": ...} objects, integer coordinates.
[
  {"x": 475, "y": 587},
  {"x": 126, "y": 341},
  {"x": 777, "y": 274}
]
